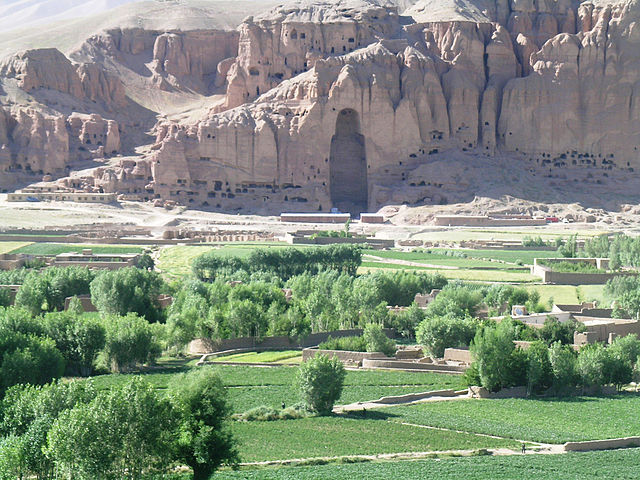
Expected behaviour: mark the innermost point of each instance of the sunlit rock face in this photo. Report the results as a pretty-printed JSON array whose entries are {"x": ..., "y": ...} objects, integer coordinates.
[{"x": 349, "y": 104}]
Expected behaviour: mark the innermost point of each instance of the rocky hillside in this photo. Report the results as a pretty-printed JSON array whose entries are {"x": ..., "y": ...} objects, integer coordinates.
[{"x": 349, "y": 103}]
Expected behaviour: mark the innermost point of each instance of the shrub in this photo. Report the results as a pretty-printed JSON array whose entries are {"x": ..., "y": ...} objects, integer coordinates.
[
  {"x": 320, "y": 380},
  {"x": 352, "y": 344},
  {"x": 265, "y": 414},
  {"x": 261, "y": 413},
  {"x": 377, "y": 341}
]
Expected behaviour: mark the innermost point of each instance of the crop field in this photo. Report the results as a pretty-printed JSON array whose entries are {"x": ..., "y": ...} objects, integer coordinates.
[
  {"x": 251, "y": 387},
  {"x": 474, "y": 258},
  {"x": 338, "y": 435},
  {"x": 505, "y": 233},
  {"x": 175, "y": 261},
  {"x": 57, "y": 248},
  {"x": 539, "y": 420},
  {"x": 615, "y": 464},
  {"x": 569, "y": 294},
  {"x": 509, "y": 276},
  {"x": 10, "y": 247},
  {"x": 287, "y": 356}
]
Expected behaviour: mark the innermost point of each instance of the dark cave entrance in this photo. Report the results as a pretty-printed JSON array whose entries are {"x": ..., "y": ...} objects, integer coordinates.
[{"x": 348, "y": 165}]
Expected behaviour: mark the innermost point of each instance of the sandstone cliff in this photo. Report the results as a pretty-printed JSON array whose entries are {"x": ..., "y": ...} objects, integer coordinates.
[{"x": 345, "y": 103}]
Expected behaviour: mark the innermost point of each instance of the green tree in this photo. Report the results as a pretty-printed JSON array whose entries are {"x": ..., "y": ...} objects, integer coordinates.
[
  {"x": 320, "y": 380},
  {"x": 46, "y": 291},
  {"x": 5, "y": 297},
  {"x": 126, "y": 290},
  {"x": 563, "y": 367},
  {"x": 492, "y": 349},
  {"x": 592, "y": 366},
  {"x": 448, "y": 331},
  {"x": 377, "y": 340},
  {"x": 79, "y": 337},
  {"x": 539, "y": 368},
  {"x": 122, "y": 433},
  {"x": 129, "y": 341},
  {"x": 28, "y": 412},
  {"x": 204, "y": 440}
]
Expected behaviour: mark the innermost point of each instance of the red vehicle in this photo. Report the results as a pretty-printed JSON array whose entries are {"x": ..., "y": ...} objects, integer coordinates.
[{"x": 552, "y": 219}]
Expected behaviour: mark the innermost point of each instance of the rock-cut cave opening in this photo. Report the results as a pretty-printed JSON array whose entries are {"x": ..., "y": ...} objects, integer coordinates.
[{"x": 348, "y": 164}]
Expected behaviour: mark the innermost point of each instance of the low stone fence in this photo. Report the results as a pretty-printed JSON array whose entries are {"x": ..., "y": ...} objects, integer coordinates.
[
  {"x": 344, "y": 356},
  {"x": 513, "y": 392},
  {"x": 562, "y": 278},
  {"x": 372, "y": 242},
  {"x": 400, "y": 365},
  {"x": 602, "y": 444},
  {"x": 200, "y": 346},
  {"x": 412, "y": 397},
  {"x": 458, "y": 355}
]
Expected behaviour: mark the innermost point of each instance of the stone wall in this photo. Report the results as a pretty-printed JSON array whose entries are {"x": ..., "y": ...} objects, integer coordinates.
[
  {"x": 344, "y": 356},
  {"x": 458, "y": 355},
  {"x": 602, "y": 444},
  {"x": 513, "y": 392},
  {"x": 561, "y": 278},
  {"x": 400, "y": 365},
  {"x": 276, "y": 343}
]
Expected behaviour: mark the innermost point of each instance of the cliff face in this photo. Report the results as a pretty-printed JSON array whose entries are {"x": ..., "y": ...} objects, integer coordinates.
[
  {"x": 287, "y": 40},
  {"x": 533, "y": 80},
  {"x": 346, "y": 103}
]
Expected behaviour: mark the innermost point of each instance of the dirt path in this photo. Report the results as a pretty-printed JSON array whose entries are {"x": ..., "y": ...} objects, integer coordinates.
[
  {"x": 372, "y": 404},
  {"x": 556, "y": 450}
]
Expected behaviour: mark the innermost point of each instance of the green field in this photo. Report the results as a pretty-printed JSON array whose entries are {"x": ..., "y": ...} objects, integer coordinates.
[
  {"x": 569, "y": 294},
  {"x": 176, "y": 261},
  {"x": 337, "y": 436},
  {"x": 251, "y": 387},
  {"x": 474, "y": 257},
  {"x": 287, "y": 356},
  {"x": 57, "y": 248},
  {"x": 509, "y": 276},
  {"x": 539, "y": 420},
  {"x": 615, "y": 464},
  {"x": 10, "y": 247}
]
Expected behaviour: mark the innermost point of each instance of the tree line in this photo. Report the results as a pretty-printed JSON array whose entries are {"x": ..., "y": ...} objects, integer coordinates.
[{"x": 69, "y": 430}]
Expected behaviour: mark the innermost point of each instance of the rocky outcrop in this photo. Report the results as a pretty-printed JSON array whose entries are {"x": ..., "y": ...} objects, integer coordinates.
[
  {"x": 348, "y": 103},
  {"x": 40, "y": 143},
  {"x": 190, "y": 59},
  {"x": 512, "y": 79},
  {"x": 287, "y": 40},
  {"x": 95, "y": 134},
  {"x": 49, "y": 69}
]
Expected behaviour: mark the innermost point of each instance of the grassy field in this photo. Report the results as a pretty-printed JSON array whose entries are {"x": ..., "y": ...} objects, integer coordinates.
[
  {"x": 474, "y": 257},
  {"x": 176, "y": 261},
  {"x": 569, "y": 294},
  {"x": 288, "y": 356},
  {"x": 254, "y": 386},
  {"x": 545, "y": 420},
  {"x": 501, "y": 233},
  {"x": 337, "y": 435},
  {"x": 509, "y": 276},
  {"x": 57, "y": 248},
  {"x": 10, "y": 247},
  {"x": 616, "y": 464}
]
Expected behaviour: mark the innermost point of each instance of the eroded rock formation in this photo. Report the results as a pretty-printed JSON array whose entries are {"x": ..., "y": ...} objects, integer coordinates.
[{"x": 348, "y": 103}]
